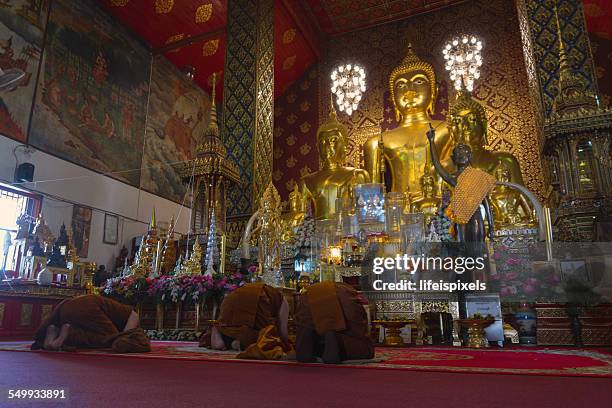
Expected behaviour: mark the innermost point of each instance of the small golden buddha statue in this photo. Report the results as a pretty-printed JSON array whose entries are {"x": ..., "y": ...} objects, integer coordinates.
[
  {"x": 427, "y": 204},
  {"x": 468, "y": 123},
  {"x": 295, "y": 216},
  {"x": 333, "y": 180},
  {"x": 413, "y": 91},
  {"x": 510, "y": 207}
]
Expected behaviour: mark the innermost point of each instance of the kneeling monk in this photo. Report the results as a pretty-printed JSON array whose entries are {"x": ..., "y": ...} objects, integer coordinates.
[
  {"x": 244, "y": 313},
  {"x": 332, "y": 324},
  {"x": 92, "y": 321}
]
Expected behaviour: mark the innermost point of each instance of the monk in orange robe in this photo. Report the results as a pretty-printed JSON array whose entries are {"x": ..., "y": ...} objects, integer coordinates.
[
  {"x": 332, "y": 324},
  {"x": 92, "y": 321},
  {"x": 247, "y": 311}
]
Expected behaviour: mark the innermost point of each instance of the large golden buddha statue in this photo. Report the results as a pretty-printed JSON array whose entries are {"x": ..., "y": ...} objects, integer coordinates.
[
  {"x": 413, "y": 91},
  {"x": 333, "y": 180},
  {"x": 510, "y": 207},
  {"x": 468, "y": 123}
]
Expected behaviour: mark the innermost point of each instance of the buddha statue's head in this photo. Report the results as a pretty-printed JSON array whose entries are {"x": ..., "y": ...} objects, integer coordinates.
[
  {"x": 332, "y": 140},
  {"x": 468, "y": 121},
  {"x": 502, "y": 173},
  {"x": 461, "y": 155},
  {"x": 413, "y": 86}
]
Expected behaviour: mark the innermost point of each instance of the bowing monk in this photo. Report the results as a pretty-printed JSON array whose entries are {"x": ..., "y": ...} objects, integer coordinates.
[
  {"x": 332, "y": 324},
  {"x": 92, "y": 321},
  {"x": 246, "y": 313}
]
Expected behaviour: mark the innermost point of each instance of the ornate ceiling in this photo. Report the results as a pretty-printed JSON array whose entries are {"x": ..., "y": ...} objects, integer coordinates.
[
  {"x": 340, "y": 16},
  {"x": 192, "y": 32}
]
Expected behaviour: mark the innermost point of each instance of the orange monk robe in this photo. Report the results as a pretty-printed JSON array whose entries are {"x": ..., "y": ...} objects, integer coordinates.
[
  {"x": 247, "y": 310},
  {"x": 95, "y": 322},
  {"x": 335, "y": 306}
]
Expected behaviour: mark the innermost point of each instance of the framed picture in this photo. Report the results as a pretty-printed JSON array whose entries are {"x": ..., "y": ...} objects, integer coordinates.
[
  {"x": 111, "y": 229},
  {"x": 81, "y": 225}
]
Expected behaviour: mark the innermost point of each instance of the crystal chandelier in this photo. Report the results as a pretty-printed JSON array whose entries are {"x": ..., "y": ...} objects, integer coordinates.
[
  {"x": 348, "y": 84},
  {"x": 463, "y": 60}
]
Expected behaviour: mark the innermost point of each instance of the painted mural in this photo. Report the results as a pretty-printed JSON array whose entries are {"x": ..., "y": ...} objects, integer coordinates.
[
  {"x": 91, "y": 105},
  {"x": 21, "y": 37},
  {"x": 178, "y": 115}
]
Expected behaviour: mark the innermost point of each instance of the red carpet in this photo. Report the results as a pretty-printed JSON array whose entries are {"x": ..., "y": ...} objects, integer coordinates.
[
  {"x": 526, "y": 361},
  {"x": 94, "y": 381}
]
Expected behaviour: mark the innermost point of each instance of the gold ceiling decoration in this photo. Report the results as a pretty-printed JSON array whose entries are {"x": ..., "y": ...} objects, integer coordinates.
[
  {"x": 210, "y": 48},
  {"x": 119, "y": 3},
  {"x": 203, "y": 13},
  {"x": 163, "y": 6},
  {"x": 289, "y": 36},
  {"x": 175, "y": 38},
  {"x": 288, "y": 63}
]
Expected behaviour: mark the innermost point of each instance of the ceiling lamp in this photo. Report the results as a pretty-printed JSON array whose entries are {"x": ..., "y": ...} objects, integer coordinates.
[
  {"x": 348, "y": 84},
  {"x": 463, "y": 60}
]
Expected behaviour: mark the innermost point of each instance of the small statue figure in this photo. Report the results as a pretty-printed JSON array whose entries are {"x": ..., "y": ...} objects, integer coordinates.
[
  {"x": 270, "y": 232},
  {"x": 295, "y": 216},
  {"x": 510, "y": 208},
  {"x": 427, "y": 203},
  {"x": 474, "y": 229}
]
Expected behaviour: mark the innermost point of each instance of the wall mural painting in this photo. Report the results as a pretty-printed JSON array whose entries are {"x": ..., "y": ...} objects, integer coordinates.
[
  {"x": 21, "y": 36},
  {"x": 178, "y": 116},
  {"x": 91, "y": 105},
  {"x": 81, "y": 226}
]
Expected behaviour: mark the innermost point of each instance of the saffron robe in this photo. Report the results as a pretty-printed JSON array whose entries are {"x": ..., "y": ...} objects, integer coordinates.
[
  {"x": 95, "y": 322},
  {"x": 247, "y": 310},
  {"x": 335, "y": 307}
]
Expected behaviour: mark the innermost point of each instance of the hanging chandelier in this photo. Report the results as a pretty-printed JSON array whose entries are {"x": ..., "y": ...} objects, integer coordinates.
[
  {"x": 348, "y": 84},
  {"x": 463, "y": 60}
]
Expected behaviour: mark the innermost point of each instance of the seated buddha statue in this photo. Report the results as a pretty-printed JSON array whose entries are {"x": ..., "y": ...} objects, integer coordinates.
[
  {"x": 510, "y": 207},
  {"x": 427, "y": 203},
  {"x": 468, "y": 123},
  {"x": 413, "y": 89},
  {"x": 333, "y": 180},
  {"x": 294, "y": 217}
]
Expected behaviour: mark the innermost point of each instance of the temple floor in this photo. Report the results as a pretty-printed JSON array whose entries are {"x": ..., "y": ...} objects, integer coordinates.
[{"x": 170, "y": 377}]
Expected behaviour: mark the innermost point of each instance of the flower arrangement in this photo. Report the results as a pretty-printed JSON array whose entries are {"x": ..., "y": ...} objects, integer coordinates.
[
  {"x": 173, "y": 289},
  {"x": 516, "y": 277}
]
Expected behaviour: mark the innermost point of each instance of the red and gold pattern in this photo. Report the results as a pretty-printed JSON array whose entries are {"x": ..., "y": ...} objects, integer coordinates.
[
  {"x": 296, "y": 121},
  {"x": 162, "y": 22}
]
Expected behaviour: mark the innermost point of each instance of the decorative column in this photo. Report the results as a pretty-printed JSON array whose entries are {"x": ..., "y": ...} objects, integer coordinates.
[
  {"x": 248, "y": 105},
  {"x": 576, "y": 130}
]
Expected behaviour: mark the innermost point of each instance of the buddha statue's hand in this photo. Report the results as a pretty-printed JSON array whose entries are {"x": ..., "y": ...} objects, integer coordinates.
[{"x": 431, "y": 133}]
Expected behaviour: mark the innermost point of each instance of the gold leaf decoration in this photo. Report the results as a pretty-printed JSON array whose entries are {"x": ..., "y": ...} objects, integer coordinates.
[
  {"x": 119, "y": 3},
  {"x": 210, "y": 48},
  {"x": 289, "y": 36},
  {"x": 304, "y": 171},
  {"x": 278, "y": 153},
  {"x": 291, "y": 119},
  {"x": 291, "y": 97},
  {"x": 289, "y": 184},
  {"x": 203, "y": 13},
  {"x": 304, "y": 106},
  {"x": 175, "y": 38},
  {"x": 305, "y": 149},
  {"x": 277, "y": 175},
  {"x": 288, "y": 63},
  {"x": 305, "y": 127},
  {"x": 291, "y": 162},
  {"x": 290, "y": 140},
  {"x": 163, "y": 6}
]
